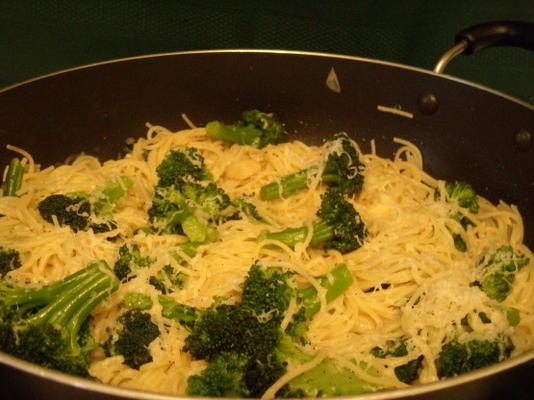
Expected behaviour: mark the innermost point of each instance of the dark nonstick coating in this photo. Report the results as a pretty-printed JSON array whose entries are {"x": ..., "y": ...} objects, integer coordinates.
[{"x": 471, "y": 136}]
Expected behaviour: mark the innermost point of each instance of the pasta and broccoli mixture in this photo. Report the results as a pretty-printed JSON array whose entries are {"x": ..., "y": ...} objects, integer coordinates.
[{"x": 227, "y": 261}]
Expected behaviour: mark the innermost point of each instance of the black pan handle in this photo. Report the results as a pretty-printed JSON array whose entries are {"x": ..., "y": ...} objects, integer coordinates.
[
  {"x": 490, "y": 34},
  {"x": 498, "y": 33}
]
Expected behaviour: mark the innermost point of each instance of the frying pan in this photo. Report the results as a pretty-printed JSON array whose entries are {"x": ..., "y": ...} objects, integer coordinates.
[{"x": 465, "y": 132}]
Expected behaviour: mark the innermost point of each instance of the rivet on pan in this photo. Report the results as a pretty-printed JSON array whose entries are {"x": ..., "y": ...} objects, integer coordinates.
[
  {"x": 428, "y": 103},
  {"x": 523, "y": 139}
]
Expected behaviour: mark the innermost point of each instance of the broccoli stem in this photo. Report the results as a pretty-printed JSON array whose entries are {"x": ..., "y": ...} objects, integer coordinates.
[
  {"x": 185, "y": 315},
  {"x": 30, "y": 297},
  {"x": 189, "y": 248},
  {"x": 14, "y": 176},
  {"x": 328, "y": 379},
  {"x": 335, "y": 282},
  {"x": 71, "y": 300},
  {"x": 292, "y": 236},
  {"x": 246, "y": 134},
  {"x": 288, "y": 185},
  {"x": 109, "y": 195},
  {"x": 249, "y": 211}
]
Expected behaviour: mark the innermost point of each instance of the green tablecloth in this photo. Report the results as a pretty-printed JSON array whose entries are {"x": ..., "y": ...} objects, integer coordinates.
[{"x": 39, "y": 36}]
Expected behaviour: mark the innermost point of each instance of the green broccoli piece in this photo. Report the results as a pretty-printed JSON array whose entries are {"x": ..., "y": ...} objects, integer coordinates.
[
  {"x": 342, "y": 170},
  {"x": 103, "y": 201},
  {"x": 48, "y": 325},
  {"x": 256, "y": 128},
  {"x": 132, "y": 338},
  {"x": 182, "y": 167},
  {"x": 167, "y": 280},
  {"x": 225, "y": 376},
  {"x": 466, "y": 197},
  {"x": 245, "y": 347},
  {"x": 266, "y": 296},
  {"x": 138, "y": 301},
  {"x": 464, "y": 194},
  {"x": 327, "y": 379},
  {"x": 194, "y": 210},
  {"x": 407, "y": 372},
  {"x": 268, "y": 291},
  {"x": 498, "y": 271},
  {"x": 13, "y": 181},
  {"x": 185, "y": 200},
  {"x": 233, "y": 374},
  {"x": 459, "y": 242},
  {"x": 84, "y": 211},
  {"x": 129, "y": 259},
  {"x": 248, "y": 210},
  {"x": 512, "y": 314},
  {"x": 340, "y": 227},
  {"x": 457, "y": 357},
  {"x": 9, "y": 260},
  {"x": 189, "y": 248}
]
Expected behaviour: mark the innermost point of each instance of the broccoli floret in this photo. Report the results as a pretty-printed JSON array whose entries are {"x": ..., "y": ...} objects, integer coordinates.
[
  {"x": 84, "y": 211},
  {"x": 129, "y": 259},
  {"x": 464, "y": 194},
  {"x": 194, "y": 210},
  {"x": 255, "y": 128},
  {"x": 185, "y": 200},
  {"x": 458, "y": 357},
  {"x": 245, "y": 346},
  {"x": 70, "y": 211},
  {"x": 48, "y": 325},
  {"x": 9, "y": 260},
  {"x": 466, "y": 197},
  {"x": 340, "y": 227},
  {"x": 225, "y": 376},
  {"x": 498, "y": 271},
  {"x": 268, "y": 291},
  {"x": 342, "y": 169},
  {"x": 225, "y": 328},
  {"x": 132, "y": 338},
  {"x": 407, "y": 372},
  {"x": 13, "y": 181},
  {"x": 167, "y": 280},
  {"x": 266, "y": 294},
  {"x": 181, "y": 167}
]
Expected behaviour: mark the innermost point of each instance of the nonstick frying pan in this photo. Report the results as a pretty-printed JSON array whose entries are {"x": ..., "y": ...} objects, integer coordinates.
[{"x": 465, "y": 132}]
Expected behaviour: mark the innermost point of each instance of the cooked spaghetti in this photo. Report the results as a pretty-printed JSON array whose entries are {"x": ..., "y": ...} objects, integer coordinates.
[{"x": 410, "y": 280}]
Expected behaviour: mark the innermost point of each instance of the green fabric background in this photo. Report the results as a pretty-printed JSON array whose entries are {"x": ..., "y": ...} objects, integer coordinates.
[{"x": 38, "y": 37}]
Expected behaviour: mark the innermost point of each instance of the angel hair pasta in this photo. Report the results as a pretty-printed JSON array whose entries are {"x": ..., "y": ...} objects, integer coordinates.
[{"x": 263, "y": 268}]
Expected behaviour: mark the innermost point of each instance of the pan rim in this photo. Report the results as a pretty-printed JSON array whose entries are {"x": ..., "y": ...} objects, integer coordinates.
[
  {"x": 103, "y": 388},
  {"x": 286, "y": 52}
]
